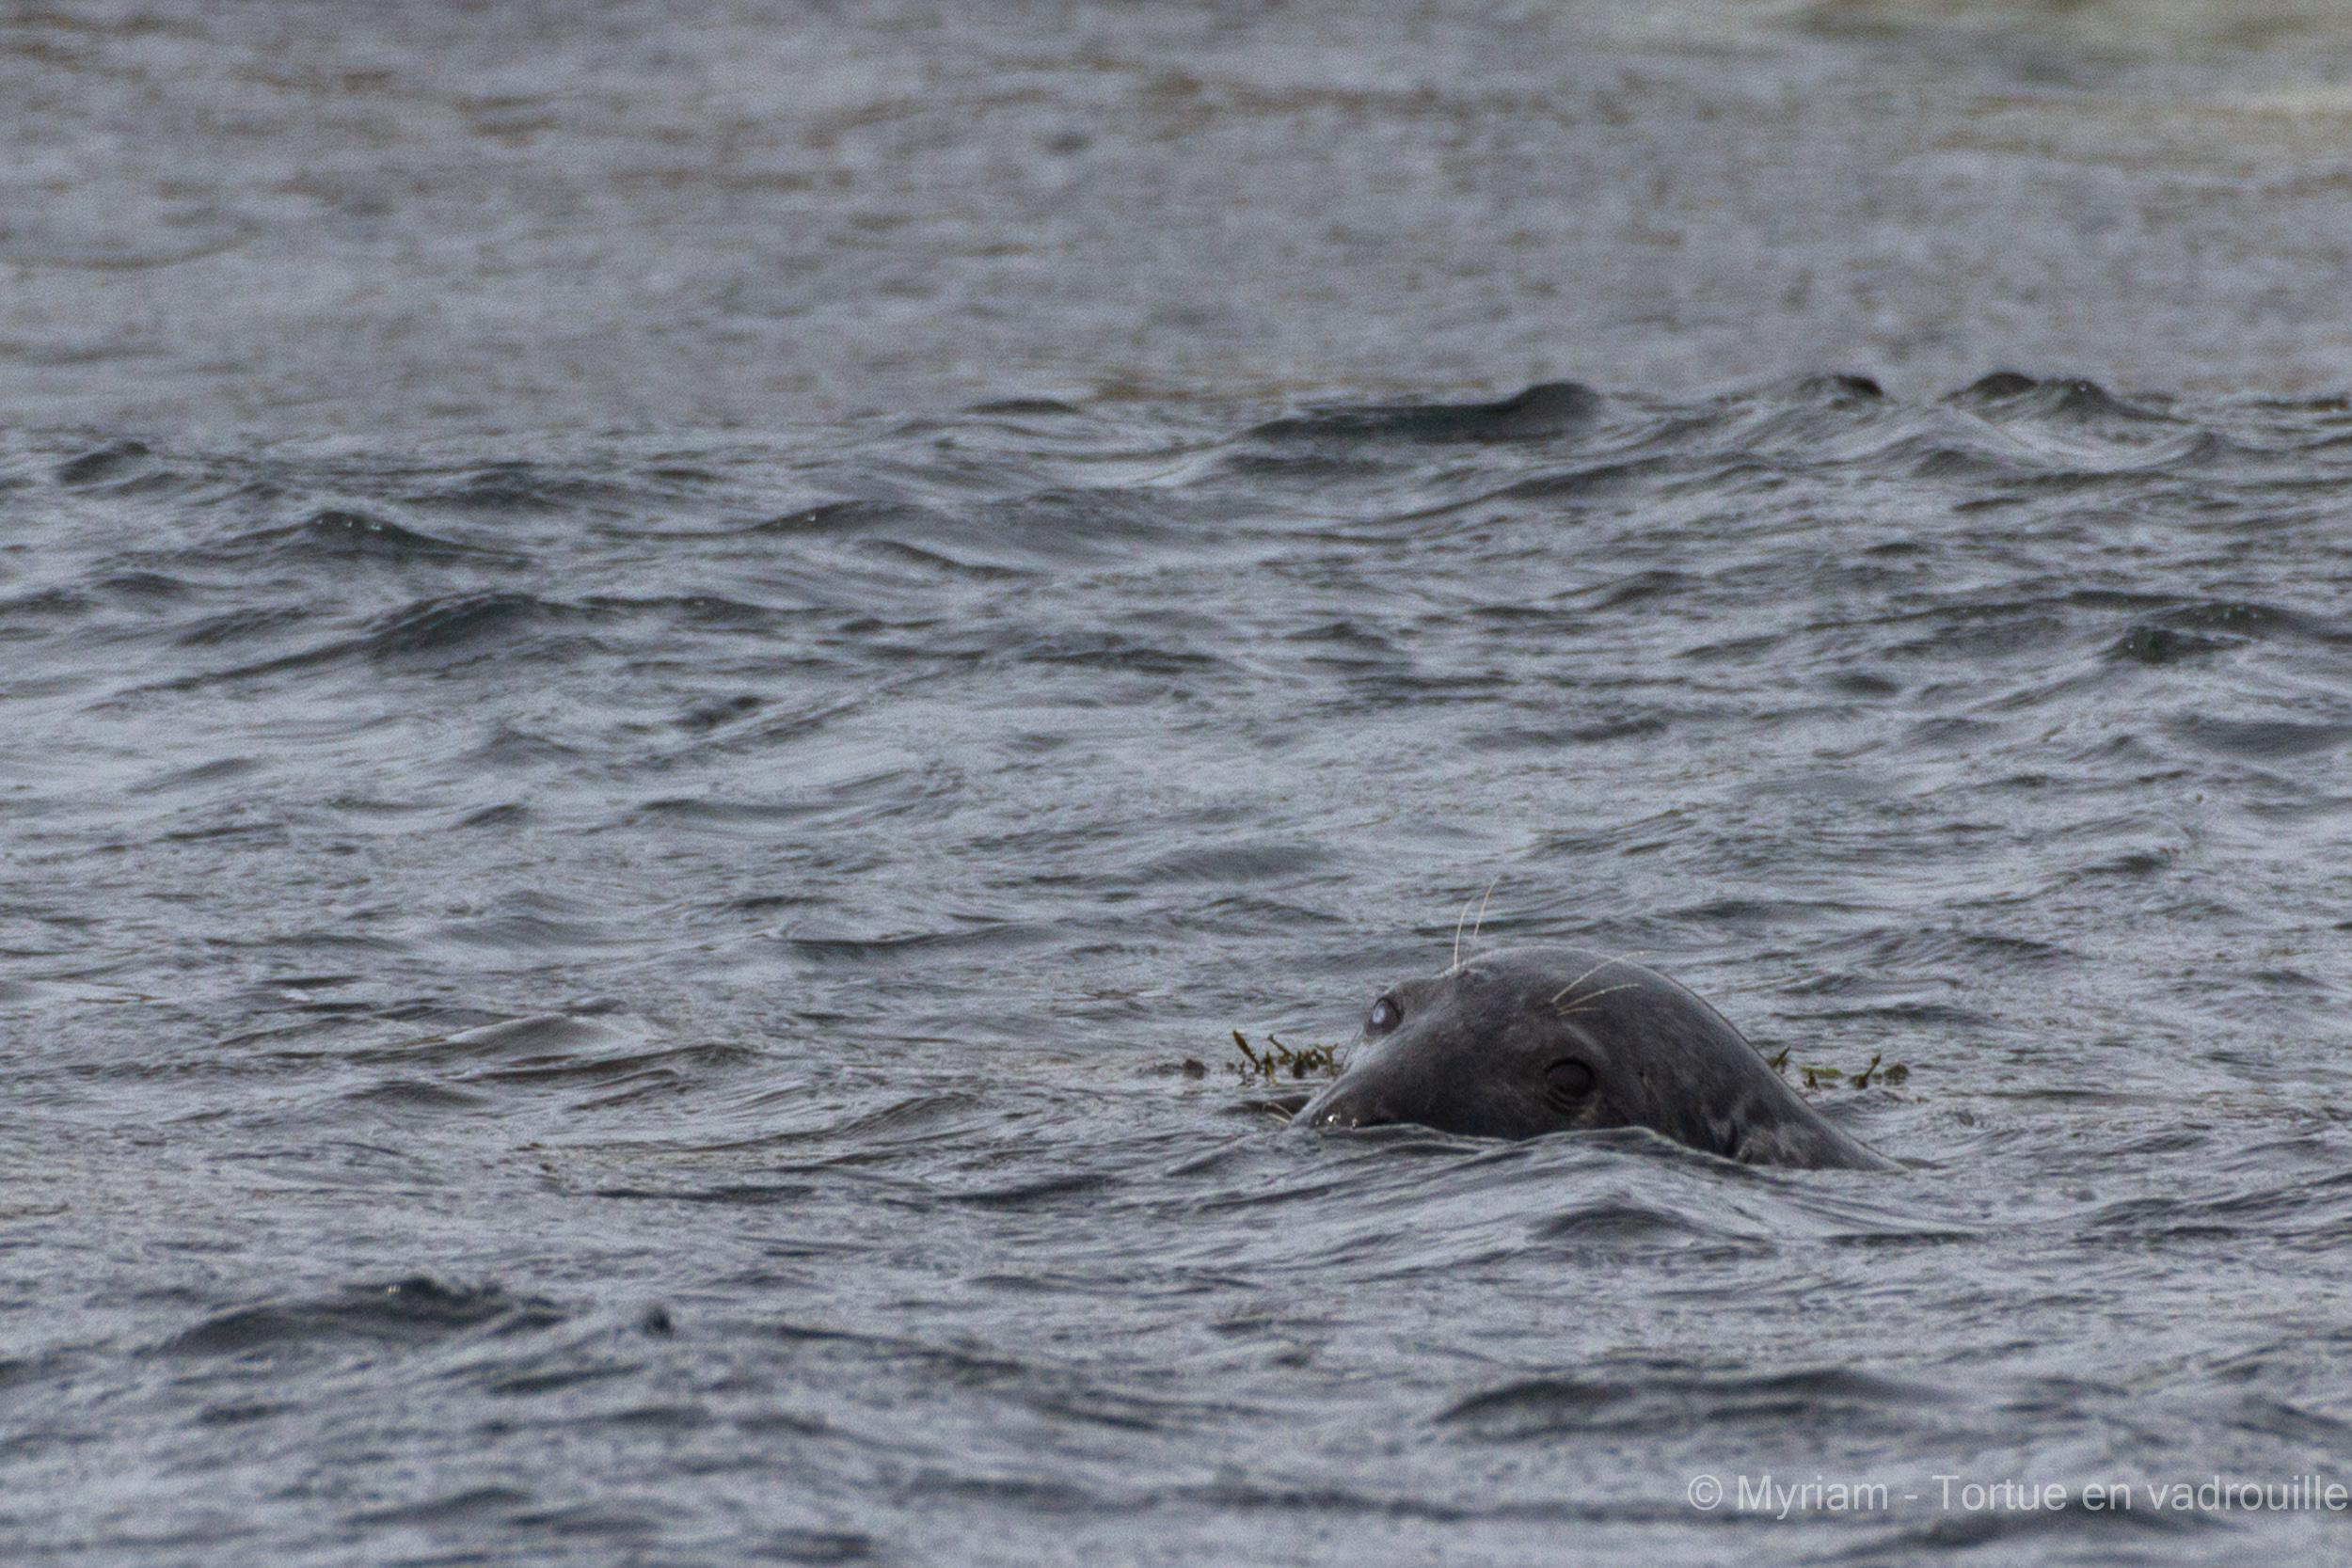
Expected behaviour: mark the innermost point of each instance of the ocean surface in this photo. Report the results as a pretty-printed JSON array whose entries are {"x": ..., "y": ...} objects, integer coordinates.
[{"x": 670, "y": 677}]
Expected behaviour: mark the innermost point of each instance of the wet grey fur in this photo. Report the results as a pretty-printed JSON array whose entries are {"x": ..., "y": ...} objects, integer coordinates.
[{"x": 1482, "y": 1049}]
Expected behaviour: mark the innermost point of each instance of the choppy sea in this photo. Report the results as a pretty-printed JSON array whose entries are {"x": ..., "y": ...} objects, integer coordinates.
[{"x": 669, "y": 677}]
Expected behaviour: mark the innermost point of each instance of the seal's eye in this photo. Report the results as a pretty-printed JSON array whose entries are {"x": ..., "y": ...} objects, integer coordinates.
[
  {"x": 1567, "y": 1079},
  {"x": 1386, "y": 1015}
]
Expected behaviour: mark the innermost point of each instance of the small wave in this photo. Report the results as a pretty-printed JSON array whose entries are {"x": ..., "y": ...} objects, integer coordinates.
[
  {"x": 1039, "y": 1193},
  {"x": 935, "y": 561},
  {"x": 1951, "y": 462},
  {"x": 474, "y": 1502},
  {"x": 1620, "y": 1224},
  {"x": 542, "y": 1037},
  {"x": 2161, "y": 645},
  {"x": 850, "y": 516},
  {"x": 1547, "y": 409},
  {"x": 1803, "y": 415},
  {"x": 425, "y": 631},
  {"x": 1002, "y": 538},
  {"x": 714, "y": 610},
  {"x": 46, "y": 604},
  {"x": 1234, "y": 863},
  {"x": 523, "y": 487},
  {"x": 219, "y": 770},
  {"x": 1519, "y": 738},
  {"x": 444, "y": 625},
  {"x": 2075, "y": 1534},
  {"x": 239, "y": 625},
  {"x": 1840, "y": 387},
  {"x": 2314, "y": 1214},
  {"x": 2262, "y": 738},
  {"x": 2068, "y": 400},
  {"x": 913, "y": 945},
  {"x": 1840, "y": 1400},
  {"x": 529, "y": 932},
  {"x": 109, "y": 464},
  {"x": 750, "y": 1195},
  {"x": 1027, "y": 407},
  {"x": 415, "y": 1310},
  {"x": 339, "y": 535},
  {"x": 410, "y": 1094}
]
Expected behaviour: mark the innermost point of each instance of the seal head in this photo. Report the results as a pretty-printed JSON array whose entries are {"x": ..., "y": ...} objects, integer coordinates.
[{"x": 1527, "y": 1040}]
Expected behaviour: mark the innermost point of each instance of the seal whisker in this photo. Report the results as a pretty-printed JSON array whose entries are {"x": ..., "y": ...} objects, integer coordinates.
[
  {"x": 1583, "y": 1002},
  {"x": 1479, "y": 924},
  {"x": 1588, "y": 974}
]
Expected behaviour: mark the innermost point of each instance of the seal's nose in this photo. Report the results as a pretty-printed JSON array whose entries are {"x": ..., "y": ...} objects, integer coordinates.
[{"x": 1341, "y": 1106}]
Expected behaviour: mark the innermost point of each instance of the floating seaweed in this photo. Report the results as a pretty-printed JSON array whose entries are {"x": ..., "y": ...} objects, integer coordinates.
[
  {"x": 1277, "y": 1061},
  {"x": 1817, "y": 1074}
]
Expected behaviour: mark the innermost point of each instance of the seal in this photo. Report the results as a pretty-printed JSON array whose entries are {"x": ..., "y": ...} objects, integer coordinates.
[{"x": 1527, "y": 1040}]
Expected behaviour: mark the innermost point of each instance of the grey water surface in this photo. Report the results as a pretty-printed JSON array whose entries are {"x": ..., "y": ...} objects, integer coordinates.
[{"x": 606, "y": 884}]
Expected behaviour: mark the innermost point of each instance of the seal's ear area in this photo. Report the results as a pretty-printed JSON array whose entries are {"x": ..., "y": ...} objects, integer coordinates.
[{"x": 1567, "y": 1084}]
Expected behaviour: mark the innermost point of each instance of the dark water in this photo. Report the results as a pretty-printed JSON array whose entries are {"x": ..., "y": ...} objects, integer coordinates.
[
  {"x": 626, "y": 1003},
  {"x": 605, "y": 883}
]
